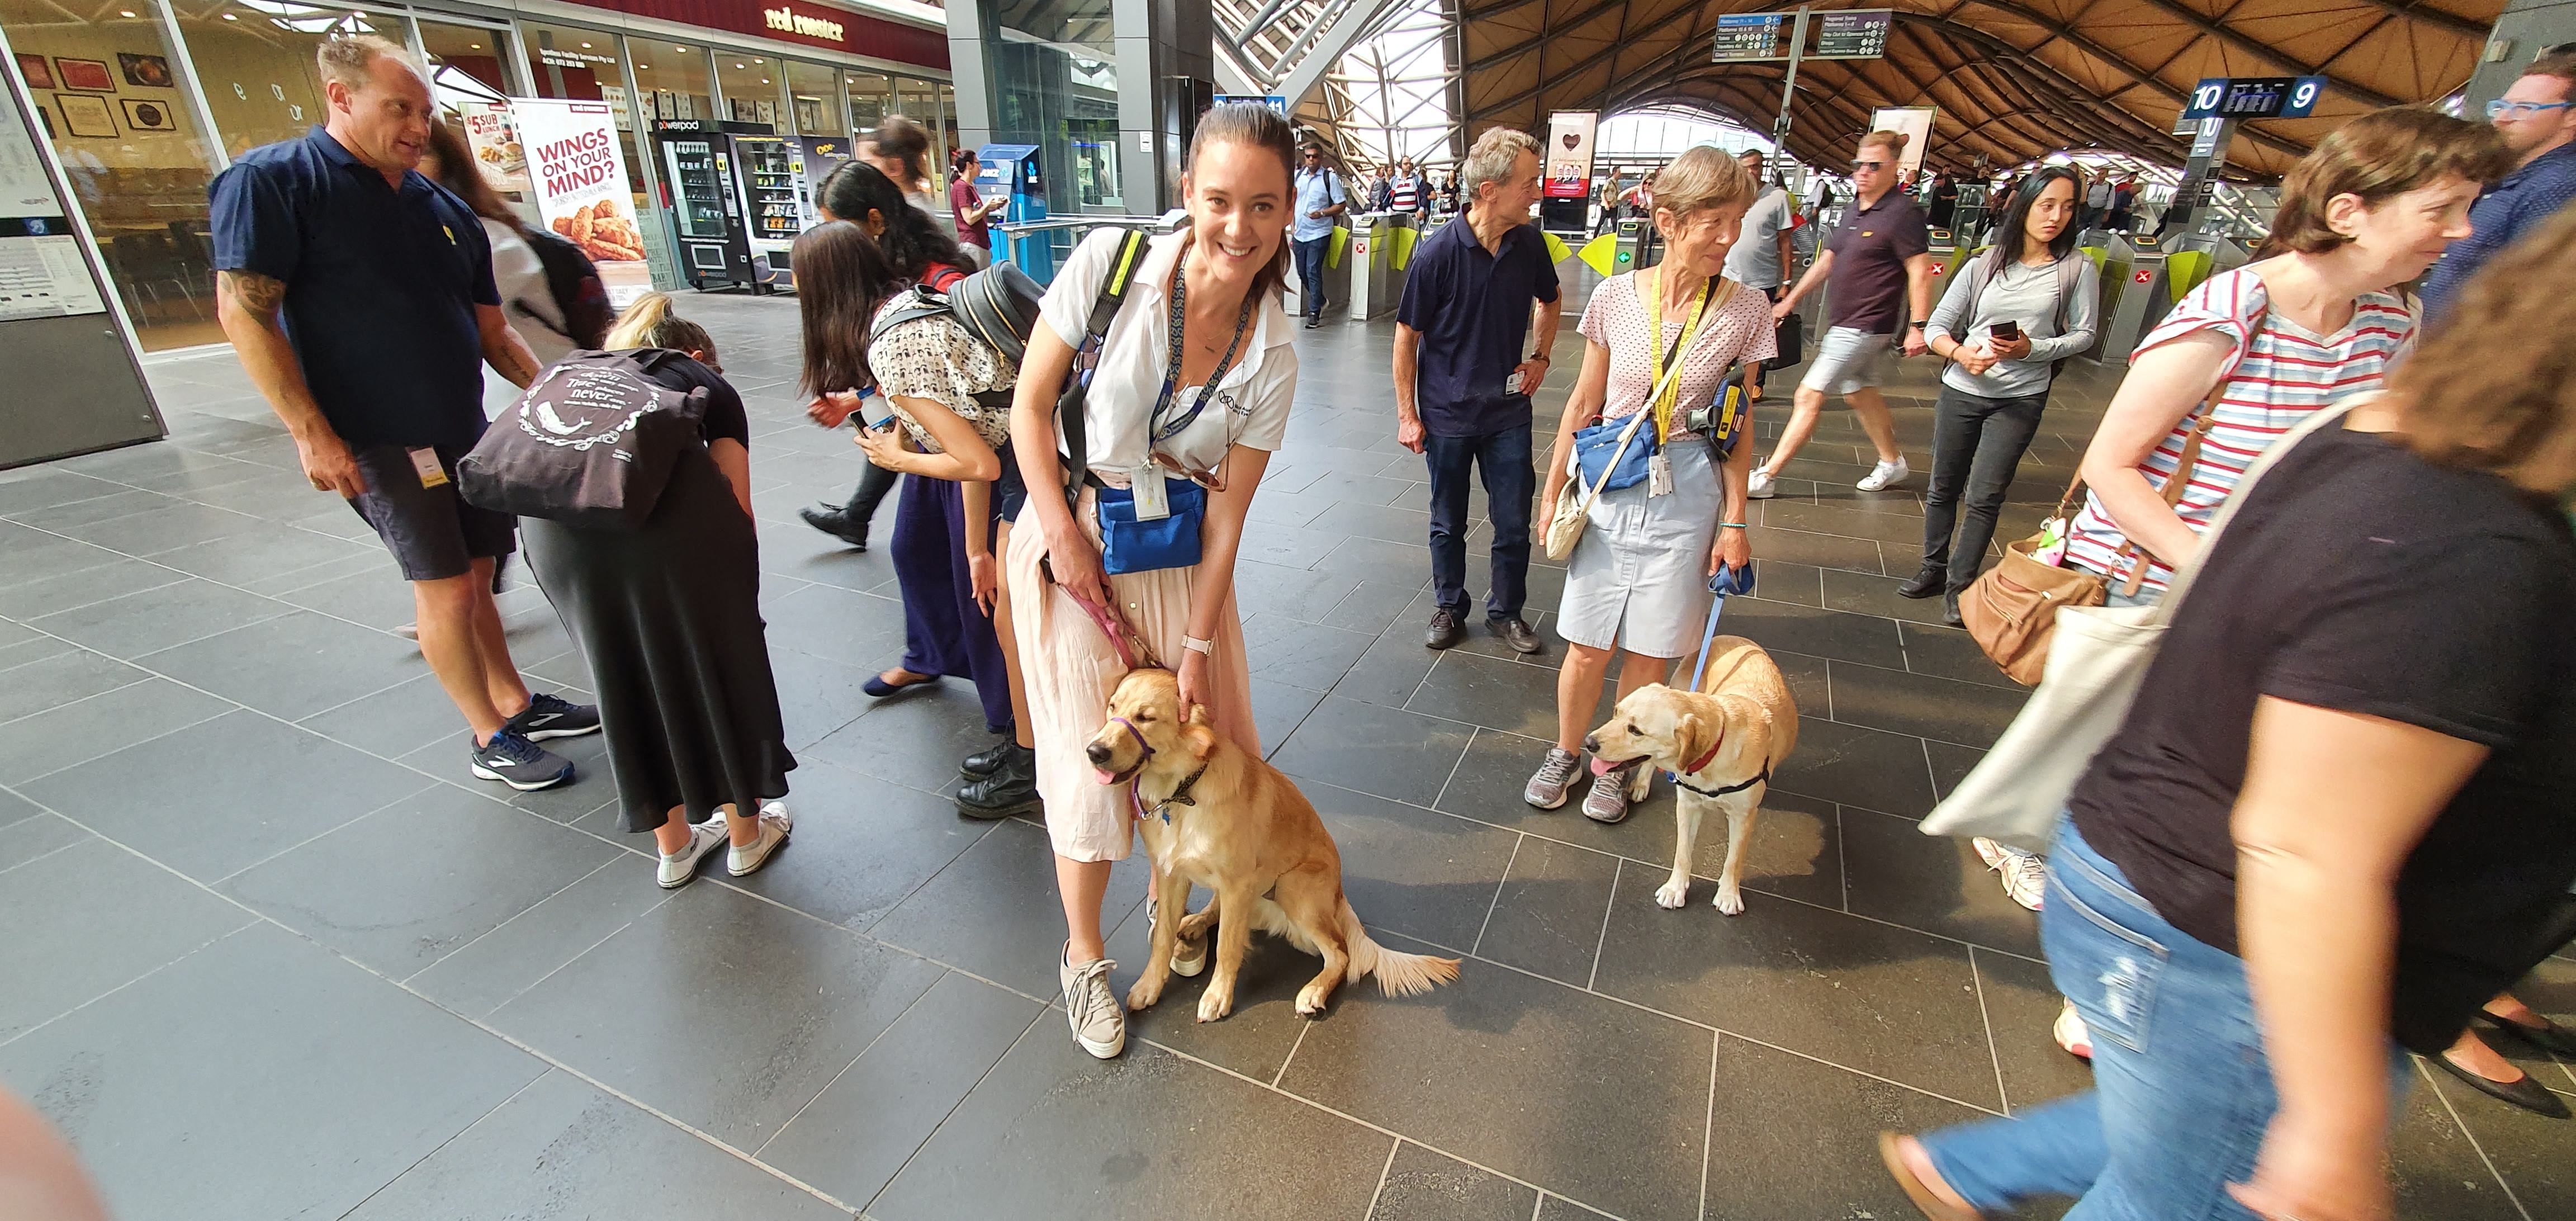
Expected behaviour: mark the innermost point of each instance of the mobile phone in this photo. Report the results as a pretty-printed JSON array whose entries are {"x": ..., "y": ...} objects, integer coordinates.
[{"x": 2007, "y": 330}]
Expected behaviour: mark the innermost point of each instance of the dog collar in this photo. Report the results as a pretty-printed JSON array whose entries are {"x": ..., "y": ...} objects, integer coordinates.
[
  {"x": 1732, "y": 788},
  {"x": 1695, "y": 764},
  {"x": 1163, "y": 808}
]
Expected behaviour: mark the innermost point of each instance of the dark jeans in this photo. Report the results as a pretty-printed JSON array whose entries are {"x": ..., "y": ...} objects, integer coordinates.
[
  {"x": 874, "y": 485},
  {"x": 1310, "y": 275},
  {"x": 1976, "y": 443},
  {"x": 1503, "y": 458}
]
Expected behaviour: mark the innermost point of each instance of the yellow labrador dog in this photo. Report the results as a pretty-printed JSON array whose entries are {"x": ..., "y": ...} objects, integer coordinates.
[
  {"x": 1722, "y": 742},
  {"x": 1217, "y": 817}
]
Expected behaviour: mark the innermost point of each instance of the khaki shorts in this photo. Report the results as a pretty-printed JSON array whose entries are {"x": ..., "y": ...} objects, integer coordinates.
[{"x": 1848, "y": 360}]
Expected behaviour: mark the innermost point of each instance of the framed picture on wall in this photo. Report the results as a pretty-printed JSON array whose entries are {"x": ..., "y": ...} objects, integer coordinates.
[
  {"x": 84, "y": 115},
  {"x": 148, "y": 116},
  {"x": 150, "y": 71},
  {"x": 89, "y": 74},
  {"x": 39, "y": 73}
]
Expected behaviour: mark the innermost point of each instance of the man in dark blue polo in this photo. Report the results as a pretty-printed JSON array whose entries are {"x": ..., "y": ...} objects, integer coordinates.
[
  {"x": 359, "y": 296},
  {"x": 1462, "y": 385},
  {"x": 2537, "y": 118}
]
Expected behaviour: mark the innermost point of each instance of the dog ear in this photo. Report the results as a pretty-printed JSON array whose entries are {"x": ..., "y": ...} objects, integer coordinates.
[
  {"x": 1692, "y": 736},
  {"x": 1199, "y": 738}
]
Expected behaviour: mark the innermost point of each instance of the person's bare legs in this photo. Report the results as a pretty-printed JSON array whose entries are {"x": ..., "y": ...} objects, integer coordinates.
[
  {"x": 1636, "y": 671},
  {"x": 2473, "y": 1054},
  {"x": 673, "y": 834},
  {"x": 1084, "y": 884},
  {"x": 1578, "y": 692},
  {"x": 1871, "y": 407},
  {"x": 501, "y": 681},
  {"x": 1804, "y": 408},
  {"x": 1021, "y": 734},
  {"x": 446, "y": 612}
]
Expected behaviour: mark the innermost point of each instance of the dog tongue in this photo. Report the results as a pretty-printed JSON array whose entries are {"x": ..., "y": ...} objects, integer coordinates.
[
  {"x": 1602, "y": 767},
  {"x": 1104, "y": 775}
]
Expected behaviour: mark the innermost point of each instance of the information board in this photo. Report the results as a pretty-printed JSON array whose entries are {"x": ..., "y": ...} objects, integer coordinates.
[
  {"x": 1749, "y": 36},
  {"x": 1851, "y": 35},
  {"x": 2254, "y": 97}
]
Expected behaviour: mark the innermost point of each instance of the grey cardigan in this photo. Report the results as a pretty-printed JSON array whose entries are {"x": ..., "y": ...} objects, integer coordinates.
[{"x": 2028, "y": 296}]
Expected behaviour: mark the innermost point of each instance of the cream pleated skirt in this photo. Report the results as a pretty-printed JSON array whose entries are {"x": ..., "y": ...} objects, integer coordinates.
[{"x": 1070, "y": 668}]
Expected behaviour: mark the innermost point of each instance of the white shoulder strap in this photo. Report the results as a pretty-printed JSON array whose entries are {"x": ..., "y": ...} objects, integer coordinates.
[{"x": 2183, "y": 577}]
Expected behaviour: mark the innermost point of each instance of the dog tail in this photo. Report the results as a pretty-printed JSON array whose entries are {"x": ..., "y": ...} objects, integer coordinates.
[{"x": 1397, "y": 974}]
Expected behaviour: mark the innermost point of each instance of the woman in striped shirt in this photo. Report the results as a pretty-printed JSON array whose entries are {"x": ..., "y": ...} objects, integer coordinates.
[{"x": 2317, "y": 320}]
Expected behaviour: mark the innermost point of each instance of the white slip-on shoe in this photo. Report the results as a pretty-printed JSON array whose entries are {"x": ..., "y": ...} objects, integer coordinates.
[
  {"x": 1885, "y": 475},
  {"x": 1758, "y": 485},
  {"x": 680, "y": 869},
  {"x": 747, "y": 859}
]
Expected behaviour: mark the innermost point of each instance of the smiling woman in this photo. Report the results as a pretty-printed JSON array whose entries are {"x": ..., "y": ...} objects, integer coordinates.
[{"x": 1190, "y": 394}]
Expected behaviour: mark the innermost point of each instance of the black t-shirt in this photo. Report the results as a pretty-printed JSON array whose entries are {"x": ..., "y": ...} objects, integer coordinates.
[
  {"x": 724, "y": 416},
  {"x": 2360, "y": 578}
]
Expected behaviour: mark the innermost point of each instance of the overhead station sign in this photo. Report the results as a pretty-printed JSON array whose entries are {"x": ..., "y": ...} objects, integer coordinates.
[
  {"x": 1853, "y": 35},
  {"x": 1840, "y": 34},
  {"x": 1750, "y": 36},
  {"x": 2254, "y": 97}
]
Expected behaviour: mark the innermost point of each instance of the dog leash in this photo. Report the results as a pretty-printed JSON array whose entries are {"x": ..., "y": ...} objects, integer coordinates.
[{"x": 1728, "y": 581}]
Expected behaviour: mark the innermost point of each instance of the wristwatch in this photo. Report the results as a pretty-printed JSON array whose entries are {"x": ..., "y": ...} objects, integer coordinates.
[
  {"x": 1203, "y": 648},
  {"x": 1919, "y": 323}
]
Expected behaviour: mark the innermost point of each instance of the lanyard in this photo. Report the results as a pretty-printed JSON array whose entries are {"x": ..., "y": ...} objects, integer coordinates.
[
  {"x": 1668, "y": 391},
  {"x": 1180, "y": 296}
]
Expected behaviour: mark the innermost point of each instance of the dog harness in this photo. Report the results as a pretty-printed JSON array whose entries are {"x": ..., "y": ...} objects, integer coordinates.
[{"x": 1732, "y": 788}]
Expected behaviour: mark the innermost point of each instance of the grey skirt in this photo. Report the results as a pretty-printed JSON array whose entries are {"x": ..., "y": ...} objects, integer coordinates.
[{"x": 1639, "y": 578}]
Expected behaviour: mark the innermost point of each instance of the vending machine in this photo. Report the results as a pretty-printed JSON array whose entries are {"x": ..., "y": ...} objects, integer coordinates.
[
  {"x": 705, "y": 203},
  {"x": 770, "y": 178}
]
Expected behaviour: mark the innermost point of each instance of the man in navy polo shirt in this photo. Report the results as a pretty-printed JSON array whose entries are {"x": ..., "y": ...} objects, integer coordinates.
[
  {"x": 1462, "y": 385},
  {"x": 359, "y": 296},
  {"x": 2537, "y": 118}
]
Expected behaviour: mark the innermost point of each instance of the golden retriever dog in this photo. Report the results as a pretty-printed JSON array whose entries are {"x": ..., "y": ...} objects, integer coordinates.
[
  {"x": 1218, "y": 817},
  {"x": 1722, "y": 743}
]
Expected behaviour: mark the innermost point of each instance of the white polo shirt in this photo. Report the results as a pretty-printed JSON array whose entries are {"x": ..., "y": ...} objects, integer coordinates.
[{"x": 1251, "y": 406}]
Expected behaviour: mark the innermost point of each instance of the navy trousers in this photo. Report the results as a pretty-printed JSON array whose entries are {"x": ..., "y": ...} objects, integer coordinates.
[
  {"x": 944, "y": 630},
  {"x": 1503, "y": 460},
  {"x": 1310, "y": 275}
]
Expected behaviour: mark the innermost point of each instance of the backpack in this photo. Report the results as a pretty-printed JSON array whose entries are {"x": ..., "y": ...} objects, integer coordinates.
[
  {"x": 590, "y": 443},
  {"x": 574, "y": 281},
  {"x": 998, "y": 305}
]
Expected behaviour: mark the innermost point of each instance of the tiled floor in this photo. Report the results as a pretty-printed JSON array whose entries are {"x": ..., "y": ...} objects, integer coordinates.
[{"x": 274, "y": 954}]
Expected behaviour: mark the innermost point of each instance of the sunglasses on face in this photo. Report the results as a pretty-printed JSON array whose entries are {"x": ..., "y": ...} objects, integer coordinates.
[{"x": 1858, "y": 166}]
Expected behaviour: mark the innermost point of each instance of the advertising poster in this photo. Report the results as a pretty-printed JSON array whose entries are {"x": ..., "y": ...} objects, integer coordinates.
[
  {"x": 577, "y": 171},
  {"x": 492, "y": 131},
  {"x": 823, "y": 154},
  {"x": 1916, "y": 123},
  {"x": 1568, "y": 154}
]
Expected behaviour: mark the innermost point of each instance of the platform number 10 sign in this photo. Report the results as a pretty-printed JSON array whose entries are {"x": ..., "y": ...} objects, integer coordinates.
[{"x": 2255, "y": 97}]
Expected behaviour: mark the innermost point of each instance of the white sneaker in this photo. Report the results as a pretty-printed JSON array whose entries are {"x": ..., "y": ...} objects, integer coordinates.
[
  {"x": 2025, "y": 878},
  {"x": 745, "y": 860},
  {"x": 1188, "y": 957},
  {"x": 1757, "y": 486},
  {"x": 1885, "y": 475},
  {"x": 679, "y": 869},
  {"x": 2071, "y": 1033},
  {"x": 1098, "y": 1017}
]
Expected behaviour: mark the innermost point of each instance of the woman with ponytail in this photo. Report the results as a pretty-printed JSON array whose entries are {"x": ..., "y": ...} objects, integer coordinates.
[{"x": 669, "y": 619}]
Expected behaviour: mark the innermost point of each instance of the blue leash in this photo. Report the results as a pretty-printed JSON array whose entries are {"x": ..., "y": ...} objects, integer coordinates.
[{"x": 1727, "y": 582}]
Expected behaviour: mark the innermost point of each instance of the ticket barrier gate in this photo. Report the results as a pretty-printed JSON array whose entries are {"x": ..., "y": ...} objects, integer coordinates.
[
  {"x": 2111, "y": 257},
  {"x": 1370, "y": 263},
  {"x": 1639, "y": 246}
]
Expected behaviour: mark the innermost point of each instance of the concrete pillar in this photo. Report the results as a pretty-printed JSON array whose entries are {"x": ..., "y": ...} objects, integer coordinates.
[{"x": 2525, "y": 29}]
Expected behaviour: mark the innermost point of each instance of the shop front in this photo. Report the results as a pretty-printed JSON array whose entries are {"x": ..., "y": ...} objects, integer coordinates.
[{"x": 145, "y": 103}]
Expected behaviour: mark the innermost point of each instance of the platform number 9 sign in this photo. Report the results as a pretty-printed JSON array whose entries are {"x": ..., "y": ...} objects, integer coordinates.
[{"x": 2303, "y": 96}]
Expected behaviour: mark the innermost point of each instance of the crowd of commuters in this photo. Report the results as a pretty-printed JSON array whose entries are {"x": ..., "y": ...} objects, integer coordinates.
[{"x": 2330, "y": 831}]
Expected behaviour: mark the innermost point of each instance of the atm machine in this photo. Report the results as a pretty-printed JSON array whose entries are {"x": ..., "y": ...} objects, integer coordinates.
[
  {"x": 700, "y": 192},
  {"x": 2145, "y": 296},
  {"x": 1010, "y": 172}
]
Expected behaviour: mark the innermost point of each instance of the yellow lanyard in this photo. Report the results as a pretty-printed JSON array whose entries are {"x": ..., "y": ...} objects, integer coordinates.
[{"x": 1668, "y": 392}]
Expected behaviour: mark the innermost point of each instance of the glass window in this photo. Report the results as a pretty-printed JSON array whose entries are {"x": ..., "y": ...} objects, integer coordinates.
[
  {"x": 136, "y": 158},
  {"x": 572, "y": 63},
  {"x": 914, "y": 100},
  {"x": 465, "y": 61},
  {"x": 750, "y": 86},
  {"x": 871, "y": 98},
  {"x": 673, "y": 77},
  {"x": 1059, "y": 90},
  {"x": 256, "y": 63},
  {"x": 811, "y": 89}
]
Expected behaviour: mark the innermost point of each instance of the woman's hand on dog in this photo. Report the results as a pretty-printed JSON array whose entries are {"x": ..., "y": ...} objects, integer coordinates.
[
  {"x": 1193, "y": 676},
  {"x": 1732, "y": 550}
]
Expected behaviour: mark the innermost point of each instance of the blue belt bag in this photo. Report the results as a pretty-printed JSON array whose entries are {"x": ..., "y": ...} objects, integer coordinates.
[
  {"x": 1598, "y": 448},
  {"x": 1128, "y": 545}
]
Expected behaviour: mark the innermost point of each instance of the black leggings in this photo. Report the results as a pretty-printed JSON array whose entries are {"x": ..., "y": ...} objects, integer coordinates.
[
  {"x": 872, "y": 490},
  {"x": 1976, "y": 444}
]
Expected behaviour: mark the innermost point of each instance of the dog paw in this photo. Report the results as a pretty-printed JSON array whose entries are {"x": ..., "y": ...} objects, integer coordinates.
[
  {"x": 1215, "y": 1004},
  {"x": 1142, "y": 996},
  {"x": 1672, "y": 894},
  {"x": 1729, "y": 900},
  {"x": 1310, "y": 1000}
]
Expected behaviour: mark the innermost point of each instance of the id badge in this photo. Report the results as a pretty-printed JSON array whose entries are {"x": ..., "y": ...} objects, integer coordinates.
[
  {"x": 1659, "y": 475},
  {"x": 425, "y": 461},
  {"x": 1153, "y": 500}
]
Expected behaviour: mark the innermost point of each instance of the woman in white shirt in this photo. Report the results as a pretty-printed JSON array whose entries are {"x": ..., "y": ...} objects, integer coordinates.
[{"x": 1215, "y": 421}]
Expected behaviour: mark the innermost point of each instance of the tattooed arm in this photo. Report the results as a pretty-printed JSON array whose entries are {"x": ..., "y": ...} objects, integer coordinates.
[
  {"x": 246, "y": 306},
  {"x": 503, "y": 347}
]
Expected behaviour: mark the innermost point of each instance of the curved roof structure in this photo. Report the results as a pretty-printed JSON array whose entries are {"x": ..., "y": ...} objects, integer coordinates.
[{"x": 2015, "y": 79}]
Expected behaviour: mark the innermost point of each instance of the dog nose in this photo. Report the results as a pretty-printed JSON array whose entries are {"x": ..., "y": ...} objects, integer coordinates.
[
  {"x": 1592, "y": 744},
  {"x": 1097, "y": 753}
]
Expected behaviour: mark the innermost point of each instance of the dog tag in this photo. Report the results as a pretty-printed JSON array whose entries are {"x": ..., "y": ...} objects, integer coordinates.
[
  {"x": 1153, "y": 501},
  {"x": 1659, "y": 476},
  {"x": 425, "y": 461}
]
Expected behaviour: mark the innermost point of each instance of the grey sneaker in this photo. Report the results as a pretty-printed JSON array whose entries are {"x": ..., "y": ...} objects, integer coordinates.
[
  {"x": 1547, "y": 787},
  {"x": 1608, "y": 800},
  {"x": 1099, "y": 1018}
]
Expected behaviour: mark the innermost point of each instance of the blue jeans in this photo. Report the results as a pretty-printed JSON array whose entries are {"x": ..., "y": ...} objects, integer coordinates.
[
  {"x": 1310, "y": 274},
  {"x": 2182, "y": 1091},
  {"x": 1503, "y": 458}
]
